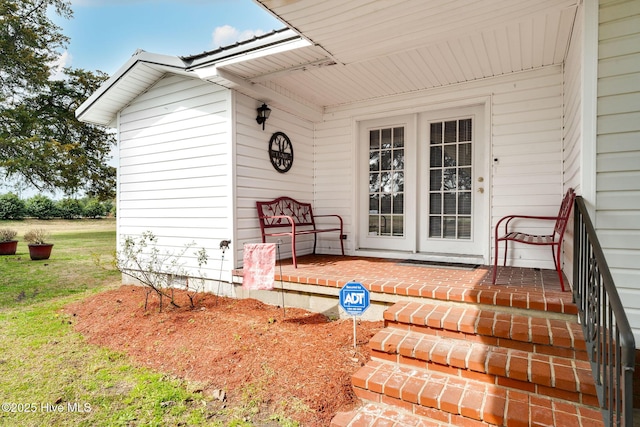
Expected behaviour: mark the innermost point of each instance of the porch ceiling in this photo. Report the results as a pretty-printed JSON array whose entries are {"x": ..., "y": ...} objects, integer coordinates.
[{"x": 365, "y": 49}]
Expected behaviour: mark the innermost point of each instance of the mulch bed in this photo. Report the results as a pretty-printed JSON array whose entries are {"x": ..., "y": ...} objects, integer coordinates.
[{"x": 301, "y": 362}]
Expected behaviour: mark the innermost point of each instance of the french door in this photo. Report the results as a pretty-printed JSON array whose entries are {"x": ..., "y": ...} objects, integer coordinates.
[
  {"x": 452, "y": 183},
  {"x": 421, "y": 183},
  {"x": 387, "y": 190}
]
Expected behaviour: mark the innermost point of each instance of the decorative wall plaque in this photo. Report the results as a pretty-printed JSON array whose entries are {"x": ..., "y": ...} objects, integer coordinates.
[{"x": 281, "y": 152}]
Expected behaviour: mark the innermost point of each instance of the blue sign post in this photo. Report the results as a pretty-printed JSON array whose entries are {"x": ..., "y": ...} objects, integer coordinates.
[{"x": 354, "y": 299}]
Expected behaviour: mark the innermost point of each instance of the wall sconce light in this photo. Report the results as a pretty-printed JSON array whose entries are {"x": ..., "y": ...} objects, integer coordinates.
[{"x": 263, "y": 114}]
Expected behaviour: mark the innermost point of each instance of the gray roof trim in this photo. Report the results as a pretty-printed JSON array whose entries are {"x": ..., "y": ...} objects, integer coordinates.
[{"x": 182, "y": 65}]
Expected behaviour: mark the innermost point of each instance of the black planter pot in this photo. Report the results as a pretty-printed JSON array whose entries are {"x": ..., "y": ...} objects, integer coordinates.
[
  {"x": 9, "y": 247},
  {"x": 39, "y": 252}
]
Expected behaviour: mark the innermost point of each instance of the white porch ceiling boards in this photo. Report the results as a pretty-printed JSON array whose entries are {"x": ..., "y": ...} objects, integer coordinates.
[
  {"x": 387, "y": 47},
  {"x": 359, "y": 50}
]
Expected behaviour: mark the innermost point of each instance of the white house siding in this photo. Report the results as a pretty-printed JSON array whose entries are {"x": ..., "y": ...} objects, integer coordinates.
[
  {"x": 526, "y": 134},
  {"x": 256, "y": 178},
  {"x": 175, "y": 167},
  {"x": 572, "y": 129},
  {"x": 618, "y": 148}
]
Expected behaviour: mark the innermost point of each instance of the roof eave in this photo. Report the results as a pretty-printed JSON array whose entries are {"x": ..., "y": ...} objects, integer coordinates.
[{"x": 171, "y": 64}]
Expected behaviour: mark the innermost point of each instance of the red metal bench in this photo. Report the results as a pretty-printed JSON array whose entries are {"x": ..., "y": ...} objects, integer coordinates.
[
  {"x": 554, "y": 239},
  {"x": 290, "y": 217}
]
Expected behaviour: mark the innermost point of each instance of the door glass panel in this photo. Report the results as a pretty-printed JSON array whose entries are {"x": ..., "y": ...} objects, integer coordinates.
[
  {"x": 450, "y": 174},
  {"x": 449, "y": 227},
  {"x": 464, "y": 203},
  {"x": 465, "y": 130},
  {"x": 436, "y": 179},
  {"x": 435, "y": 225},
  {"x": 464, "y": 179},
  {"x": 464, "y": 156},
  {"x": 464, "y": 228},
  {"x": 450, "y": 132},
  {"x": 435, "y": 201},
  {"x": 436, "y": 156},
  {"x": 450, "y": 203},
  {"x": 436, "y": 133},
  {"x": 386, "y": 182},
  {"x": 450, "y": 157}
]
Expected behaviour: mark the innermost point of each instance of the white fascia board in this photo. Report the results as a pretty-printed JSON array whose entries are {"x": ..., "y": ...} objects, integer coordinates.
[
  {"x": 210, "y": 70},
  {"x": 281, "y": 37},
  {"x": 272, "y": 50},
  {"x": 171, "y": 64}
]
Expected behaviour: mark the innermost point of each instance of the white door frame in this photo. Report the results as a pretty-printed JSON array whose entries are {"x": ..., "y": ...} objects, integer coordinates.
[
  {"x": 476, "y": 246},
  {"x": 407, "y": 242},
  {"x": 380, "y": 118}
]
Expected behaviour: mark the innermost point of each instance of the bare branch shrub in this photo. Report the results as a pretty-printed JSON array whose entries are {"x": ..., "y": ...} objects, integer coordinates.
[{"x": 160, "y": 272}]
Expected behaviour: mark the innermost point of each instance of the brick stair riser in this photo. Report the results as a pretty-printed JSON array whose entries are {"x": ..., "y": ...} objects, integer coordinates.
[
  {"x": 587, "y": 398},
  {"x": 464, "y": 402},
  {"x": 464, "y": 365},
  {"x": 527, "y": 333},
  {"x": 554, "y": 303},
  {"x": 549, "y": 375},
  {"x": 506, "y": 342}
]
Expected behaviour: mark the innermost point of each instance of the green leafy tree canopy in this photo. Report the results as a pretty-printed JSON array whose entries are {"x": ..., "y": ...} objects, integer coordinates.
[{"x": 42, "y": 144}]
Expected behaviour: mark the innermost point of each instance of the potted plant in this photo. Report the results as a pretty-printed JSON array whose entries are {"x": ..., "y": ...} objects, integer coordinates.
[
  {"x": 38, "y": 246},
  {"x": 8, "y": 245}
]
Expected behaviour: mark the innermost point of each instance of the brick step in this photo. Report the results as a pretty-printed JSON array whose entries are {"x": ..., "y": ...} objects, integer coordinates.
[
  {"x": 444, "y": 398},
  {"x": 518, "y": 294},
  {"x": 377, "y": 414},
  {"x": 552, "y": 376},
  {"x": 561, "y": 337}
]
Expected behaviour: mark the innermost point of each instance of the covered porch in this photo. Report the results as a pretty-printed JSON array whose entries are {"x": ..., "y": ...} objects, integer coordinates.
[{"x": 390, "y": 280}]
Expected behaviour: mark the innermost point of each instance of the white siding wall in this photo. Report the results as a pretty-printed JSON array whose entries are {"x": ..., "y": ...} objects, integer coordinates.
[
  {"x": 256, "y": 179},
  {"x": 618, "y": 144},
  {"x": 572, "y": 131},
  {"x": 175, "y": 173},
  {"x": 526, "y": 132}
]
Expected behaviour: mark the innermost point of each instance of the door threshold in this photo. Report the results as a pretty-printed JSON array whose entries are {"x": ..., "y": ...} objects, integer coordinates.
[{"x": 445, "y": 258}]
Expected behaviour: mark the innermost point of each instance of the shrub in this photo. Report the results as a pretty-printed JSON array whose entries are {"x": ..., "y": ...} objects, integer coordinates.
[
  {"x": 12, "y": 207},
  {"x": 7, "y": 234},
  {"x": 160, "y": 272},
  {"x": 110, "y": 207},
  {"x": 41, "y": 207},
  {"x": 69, "y": 209},
  {"x": 37, "y": 236},
  {"x": 94, "y": 209}
]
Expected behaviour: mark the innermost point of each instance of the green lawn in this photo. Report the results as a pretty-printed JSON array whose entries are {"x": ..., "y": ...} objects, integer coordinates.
[{"x": 48, "y": 374}]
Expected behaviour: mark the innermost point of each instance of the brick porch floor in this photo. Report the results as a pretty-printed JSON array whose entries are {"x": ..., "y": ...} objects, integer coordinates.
[{"x": 525, "y": 288}]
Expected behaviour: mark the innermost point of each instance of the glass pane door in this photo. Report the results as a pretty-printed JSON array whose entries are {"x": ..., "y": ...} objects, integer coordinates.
[
  {"x": 386, "y": 182},
  {"x": 450, "y": 179}
]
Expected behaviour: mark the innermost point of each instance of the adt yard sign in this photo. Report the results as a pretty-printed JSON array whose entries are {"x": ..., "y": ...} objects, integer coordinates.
[{"x": 354, "y": 298}]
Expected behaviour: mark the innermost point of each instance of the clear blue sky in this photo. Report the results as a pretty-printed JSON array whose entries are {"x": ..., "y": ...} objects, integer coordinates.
[{"x": 105, "y": 33}]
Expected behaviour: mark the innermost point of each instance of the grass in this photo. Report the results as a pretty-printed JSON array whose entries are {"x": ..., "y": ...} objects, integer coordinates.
[
  {"x": 71, "y": 268},
  {"x": 49, "y": 371},
  {"x": 50, "y": 376}
]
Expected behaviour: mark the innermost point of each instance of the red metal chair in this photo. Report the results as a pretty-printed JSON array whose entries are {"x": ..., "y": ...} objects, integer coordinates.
[{"x": 554, "y": 239}]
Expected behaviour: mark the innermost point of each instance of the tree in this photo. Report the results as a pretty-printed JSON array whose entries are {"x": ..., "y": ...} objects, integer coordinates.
[
  {"x": 29, "y": 42},
  {"x": 69, "y": 208},
  {"x": 41, "y": 207},
  {"x": 41, "y": 141},
  {"x": 12, "y": 207}
]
